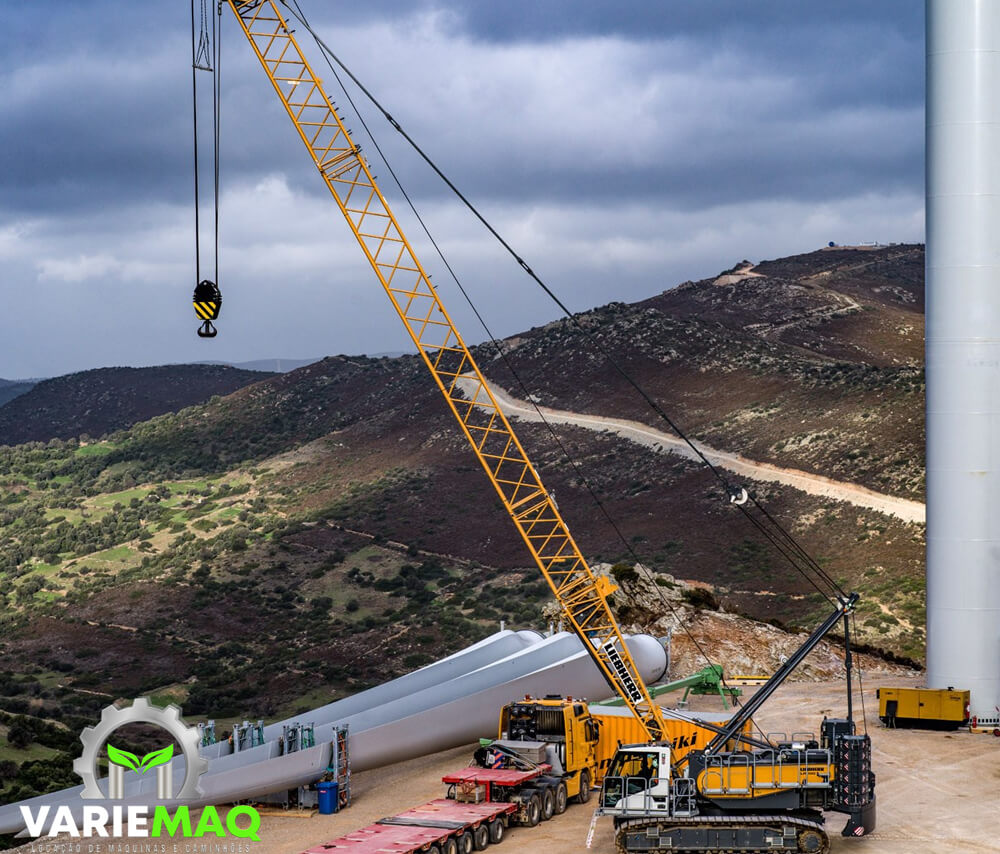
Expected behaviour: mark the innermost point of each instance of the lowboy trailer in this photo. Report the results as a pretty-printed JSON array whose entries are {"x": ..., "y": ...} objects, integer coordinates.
[{"x": 441, "y": 826}]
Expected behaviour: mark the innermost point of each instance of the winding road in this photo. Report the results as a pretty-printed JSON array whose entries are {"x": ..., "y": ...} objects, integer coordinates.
[{"x": 650, "y": 437}]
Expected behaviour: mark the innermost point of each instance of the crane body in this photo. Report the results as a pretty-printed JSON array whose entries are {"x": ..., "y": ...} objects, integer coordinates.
[
  {"x": 765, "y": 799},
  {"x": 770, "y": 797}
]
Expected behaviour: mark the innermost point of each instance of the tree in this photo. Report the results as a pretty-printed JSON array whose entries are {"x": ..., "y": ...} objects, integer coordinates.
[{"x": 20, "y": 734}]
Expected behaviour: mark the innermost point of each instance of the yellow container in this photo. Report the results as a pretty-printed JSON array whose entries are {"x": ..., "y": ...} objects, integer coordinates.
[
  {"x": 618, "y": 726},
  {"x": 933, "y": 708}
]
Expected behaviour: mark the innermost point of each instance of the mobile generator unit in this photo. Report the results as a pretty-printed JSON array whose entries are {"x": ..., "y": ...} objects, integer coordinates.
[{"x": 923, "y": 707}]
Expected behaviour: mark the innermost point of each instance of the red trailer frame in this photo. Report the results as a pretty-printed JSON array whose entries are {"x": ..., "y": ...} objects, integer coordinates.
[{"x": 418, "y": 828}]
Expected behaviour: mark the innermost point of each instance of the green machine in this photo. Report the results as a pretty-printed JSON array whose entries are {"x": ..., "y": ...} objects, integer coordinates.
[{"x": 708, "y": 680}]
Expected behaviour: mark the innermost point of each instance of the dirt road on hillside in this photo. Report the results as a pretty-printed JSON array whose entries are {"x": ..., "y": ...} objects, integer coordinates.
[{"x": 650, "y": 437}]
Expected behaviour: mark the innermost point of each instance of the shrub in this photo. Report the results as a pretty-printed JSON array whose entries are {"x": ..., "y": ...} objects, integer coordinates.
[{"x": 700, "y": 598}]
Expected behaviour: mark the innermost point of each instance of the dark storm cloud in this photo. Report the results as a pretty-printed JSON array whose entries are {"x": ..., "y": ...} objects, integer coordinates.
[
  {"x": 633, "y": 143},
  {"x": 102, "y": 110}
]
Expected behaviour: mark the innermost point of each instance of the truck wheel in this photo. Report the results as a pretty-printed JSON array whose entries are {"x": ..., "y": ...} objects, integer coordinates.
[
  {"x": 584, "y": 794},
  {"x": 449, "y": 846},
  {"x": 481, "y": 838},
  {"x": 548, "y": 797},
  {"x": 532, "y": 811},
  {"x": 465, "y": 843},
  {"x": 561, "y": 799},
  {"x": 434, "y": 849},
  {"x": 497, "y": 830}
]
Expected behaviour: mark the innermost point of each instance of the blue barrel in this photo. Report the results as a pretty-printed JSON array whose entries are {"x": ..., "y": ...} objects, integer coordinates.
[{"x": 327, "y": 797}]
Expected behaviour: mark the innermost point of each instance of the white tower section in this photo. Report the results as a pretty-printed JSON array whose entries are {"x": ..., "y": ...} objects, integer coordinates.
[{"x": 963, "y": 349}]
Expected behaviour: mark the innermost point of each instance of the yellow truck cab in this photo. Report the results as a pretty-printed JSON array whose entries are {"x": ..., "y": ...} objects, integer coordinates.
[{"x": 567, "y": 728}]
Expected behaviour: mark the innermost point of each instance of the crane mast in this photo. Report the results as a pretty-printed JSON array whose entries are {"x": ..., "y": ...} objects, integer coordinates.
[{"x": 582, "y": 595}]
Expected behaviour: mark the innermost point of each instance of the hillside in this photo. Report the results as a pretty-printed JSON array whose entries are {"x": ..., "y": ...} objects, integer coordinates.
[
  {"x": 327, "y": 529},
  {"x": 9, "y": 389},
  {"x": 791, "y": 362},
  {"x": 101, "y": 401}
]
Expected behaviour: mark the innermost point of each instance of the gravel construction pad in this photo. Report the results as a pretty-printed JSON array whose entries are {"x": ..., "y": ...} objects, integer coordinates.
[{"x": 938, "y": 793}]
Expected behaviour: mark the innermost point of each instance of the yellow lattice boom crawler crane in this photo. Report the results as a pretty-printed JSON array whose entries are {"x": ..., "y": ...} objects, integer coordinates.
[{"x": 765, "y": 798}]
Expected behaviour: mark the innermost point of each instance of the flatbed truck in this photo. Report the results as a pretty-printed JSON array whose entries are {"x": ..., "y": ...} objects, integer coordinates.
[
  {"x": 482, "y": 804},
  {"x": 441, "y": 826}
]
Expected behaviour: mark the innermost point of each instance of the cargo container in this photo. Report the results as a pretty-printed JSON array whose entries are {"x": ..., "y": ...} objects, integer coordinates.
[{"x": 923, "y": 707}]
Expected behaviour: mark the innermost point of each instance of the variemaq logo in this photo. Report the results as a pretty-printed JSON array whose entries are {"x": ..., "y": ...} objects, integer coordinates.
[{"x": 137, "y": 820}]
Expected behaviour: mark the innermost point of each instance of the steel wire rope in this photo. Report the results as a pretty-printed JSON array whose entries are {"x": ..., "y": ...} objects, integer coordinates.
[
  {"x": 796, "y": 548},
  {"x": 196, "y": 45},
  {"x": 217, "y": 123},
  {"x": 503, "y": 355},
  {"x": 206, "y": 54},
  {"x": 788, "y": 551},
  {"x": 328, "y": 55}
]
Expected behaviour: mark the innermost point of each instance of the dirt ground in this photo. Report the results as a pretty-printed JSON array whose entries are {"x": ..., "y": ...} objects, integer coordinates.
[{"x": 937, "y": 792}]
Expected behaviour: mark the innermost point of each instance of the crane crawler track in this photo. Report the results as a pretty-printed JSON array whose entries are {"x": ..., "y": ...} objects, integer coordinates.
[{"x": 700, "y": 834}]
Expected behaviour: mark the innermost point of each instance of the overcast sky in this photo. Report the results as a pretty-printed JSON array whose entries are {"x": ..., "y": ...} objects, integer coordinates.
[{"x": 622, "y": 148}]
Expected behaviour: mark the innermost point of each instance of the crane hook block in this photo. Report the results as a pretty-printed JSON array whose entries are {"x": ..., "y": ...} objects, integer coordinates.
[
  {"x": 207, "y": 305},
  {"x": 738, "y": 496}
]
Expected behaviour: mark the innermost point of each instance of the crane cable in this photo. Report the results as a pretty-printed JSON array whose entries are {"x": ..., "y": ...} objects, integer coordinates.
[
  {"x": 782, "y": 541},
  {"x": 206, "y": 56},
  {"x": 780, "y": 538},
  {"x": 504, "y": 357}
]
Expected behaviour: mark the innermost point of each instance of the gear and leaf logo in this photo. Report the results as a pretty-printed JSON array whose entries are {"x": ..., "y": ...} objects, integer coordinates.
[
  {"x": 130, "y": 760},
  {"x": 143, "y": 712}
]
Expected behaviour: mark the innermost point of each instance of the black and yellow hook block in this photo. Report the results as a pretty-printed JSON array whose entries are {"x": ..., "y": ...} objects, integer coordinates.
[{"x": 207, "y": 305}]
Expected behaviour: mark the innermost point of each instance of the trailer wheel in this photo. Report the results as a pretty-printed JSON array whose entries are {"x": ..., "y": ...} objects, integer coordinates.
[
  {"x": 481, "y": 838},
  {"x": 449, "y": 846},
  {"x": 466, "y": 844},
  {"x": 548, "y": 798},
  {"x": 497, "y": 830},
  {"x": 532, "y": 810},
  {"x": 433, "y": 849},
  {"x": 561, "y": 799},
  {"x": 584, "y": 794}
]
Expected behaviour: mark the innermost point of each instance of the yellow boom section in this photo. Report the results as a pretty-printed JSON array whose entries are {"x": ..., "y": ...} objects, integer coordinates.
[{"x": 583, "y": 595}]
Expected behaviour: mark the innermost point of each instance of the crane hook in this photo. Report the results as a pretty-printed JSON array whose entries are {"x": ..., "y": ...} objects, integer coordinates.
[
  {"x": 207, "y": 305},
  {"x": 738, "y": 495}
]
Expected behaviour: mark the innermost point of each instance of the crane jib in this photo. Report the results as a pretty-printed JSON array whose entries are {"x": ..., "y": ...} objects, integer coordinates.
[{"x": 582, "y": 595}]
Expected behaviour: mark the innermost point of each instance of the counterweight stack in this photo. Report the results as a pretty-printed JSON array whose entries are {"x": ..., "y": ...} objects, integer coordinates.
[{"x": 963, "y": 350}]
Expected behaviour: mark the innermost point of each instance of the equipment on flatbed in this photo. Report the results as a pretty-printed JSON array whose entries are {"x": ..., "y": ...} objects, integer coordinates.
[
  {"x": 708, "y": 680},
  {"x": 923, "y": 707}
]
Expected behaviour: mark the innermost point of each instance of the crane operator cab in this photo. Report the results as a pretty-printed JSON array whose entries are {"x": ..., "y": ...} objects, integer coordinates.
[
  {"x": 638, "y": 779},
  {"x": 207, "y": 305}
]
